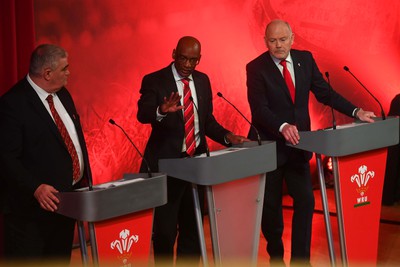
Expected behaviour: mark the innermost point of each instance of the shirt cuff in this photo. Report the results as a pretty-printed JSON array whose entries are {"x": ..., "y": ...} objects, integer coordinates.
[
  {"x": 226, "y": 140},
  {"x": 355, "y": 112},
  {"x": 283, "y": 125},
  {"x": 159, "y": 115}
]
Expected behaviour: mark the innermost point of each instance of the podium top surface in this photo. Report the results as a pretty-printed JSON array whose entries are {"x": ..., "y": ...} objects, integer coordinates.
[
  {"x": 133, "y": 193},
  {"x": 223, "y": 165},
  {"x": 351, "y": 138}
]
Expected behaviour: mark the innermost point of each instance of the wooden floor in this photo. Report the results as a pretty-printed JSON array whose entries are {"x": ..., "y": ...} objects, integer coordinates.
[{"x": 389, "y": 238}]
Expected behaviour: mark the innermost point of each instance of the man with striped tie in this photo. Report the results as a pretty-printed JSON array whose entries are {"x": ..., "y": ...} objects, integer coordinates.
[{"x": 177, "y": 102}]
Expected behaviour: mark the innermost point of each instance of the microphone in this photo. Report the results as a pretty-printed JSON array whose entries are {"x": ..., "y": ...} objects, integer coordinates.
[
  {"x": 382, "y": 112},
  {"x": 111, "y": 121},
  {"x": 330, "y": 98},
  {"x": 255, "y": 129},
  {"x": 205, "y": 138}
]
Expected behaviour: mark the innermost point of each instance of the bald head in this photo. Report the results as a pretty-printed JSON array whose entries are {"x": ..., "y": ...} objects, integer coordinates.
[
  {"x": 277, "y": 23},
  {"x": 186, "y": 55},
  {"x": 188, "y": 41}
]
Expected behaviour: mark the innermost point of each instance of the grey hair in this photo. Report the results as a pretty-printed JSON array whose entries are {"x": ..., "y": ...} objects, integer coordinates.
[{"x": 45, "y": 56}]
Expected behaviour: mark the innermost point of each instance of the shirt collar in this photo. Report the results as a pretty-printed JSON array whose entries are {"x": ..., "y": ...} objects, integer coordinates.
[
  {"x": 277, "y": 61},
  {"x": 41, "y": 92}
]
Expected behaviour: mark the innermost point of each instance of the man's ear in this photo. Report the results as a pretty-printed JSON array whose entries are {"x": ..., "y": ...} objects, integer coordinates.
[
  {"x": 174, "y": 54},
  {"x": 47, "y": 74},
  {"x": 292, "y": 38}
]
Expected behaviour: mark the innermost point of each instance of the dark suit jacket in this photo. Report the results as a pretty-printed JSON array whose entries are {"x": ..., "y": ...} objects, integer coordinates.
[
  {"x": 167, "y": 135},
  {"x": 391, "y": 188},
  {"x": 270, "y": 101},
  {"x": 32, "y": 151}
]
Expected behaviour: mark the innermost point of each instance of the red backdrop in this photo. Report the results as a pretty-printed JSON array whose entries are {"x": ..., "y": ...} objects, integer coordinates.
[{"x": 112, "y": 44}]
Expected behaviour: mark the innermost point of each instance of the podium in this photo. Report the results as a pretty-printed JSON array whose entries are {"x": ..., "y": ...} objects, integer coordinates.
[
  {"x": 119, "y": 215},
  {"x": 234, "y": 180},
  {"x": 358, "y": 152}
]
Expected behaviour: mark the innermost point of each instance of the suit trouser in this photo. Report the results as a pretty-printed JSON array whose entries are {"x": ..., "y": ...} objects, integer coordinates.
[
  {"x": 391, "y": 187},
  {"x": 176, "y": 218},
  {"x": 299, "y": 185},
  {"x": 45, "y": 239}
]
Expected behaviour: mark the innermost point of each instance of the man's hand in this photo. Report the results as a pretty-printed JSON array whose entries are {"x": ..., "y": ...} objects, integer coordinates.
[
  {"x": 45, "y": 195},
  {"x": 365, "y": 115},
  {"x": 171, "y": 104},
  {"x": 291, "y": 134},
  {"x": 236, "y": 139}
]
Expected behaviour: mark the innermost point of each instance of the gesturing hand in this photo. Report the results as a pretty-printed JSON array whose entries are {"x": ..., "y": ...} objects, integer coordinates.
[{"x": 171, "y": 104}]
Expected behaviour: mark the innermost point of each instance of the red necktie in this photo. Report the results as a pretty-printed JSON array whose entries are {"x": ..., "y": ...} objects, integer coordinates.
[
  {"x": 288, "y": 79},
  {"x": 67, "y": 139},
  {"x": 188, "y": 115}
]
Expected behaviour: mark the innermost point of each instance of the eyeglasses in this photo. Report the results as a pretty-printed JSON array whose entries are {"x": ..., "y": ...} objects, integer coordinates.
[{"x": 192, "y": 61}]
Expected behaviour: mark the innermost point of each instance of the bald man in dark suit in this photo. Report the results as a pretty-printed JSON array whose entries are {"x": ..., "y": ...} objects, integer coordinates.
[
  {"x": 161, "y": 106},
  {"x": 279, "y": 113},
  {"x": 391, "y": 187}
]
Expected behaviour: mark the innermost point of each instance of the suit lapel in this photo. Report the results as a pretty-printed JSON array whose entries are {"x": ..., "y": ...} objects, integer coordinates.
[
  {"x": 298, "y": 73},
  {"x": 40, "y": 109},
  {"x": 170, "y": 86},
  {"x": 277, "y": 75},
  {"x": 200, "y": 94},
  {"x": 69, "y": 106}
]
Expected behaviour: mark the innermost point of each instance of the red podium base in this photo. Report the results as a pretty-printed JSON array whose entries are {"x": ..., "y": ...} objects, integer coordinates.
[
  {"x": 361, "y": 182},
  {"x": 125, "y": 240}
]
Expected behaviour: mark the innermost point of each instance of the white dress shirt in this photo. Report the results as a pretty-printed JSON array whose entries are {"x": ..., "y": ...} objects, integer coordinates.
[{"x": 64, "y": 117}]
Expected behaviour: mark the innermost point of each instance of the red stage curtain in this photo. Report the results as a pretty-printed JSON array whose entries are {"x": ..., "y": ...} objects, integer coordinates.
[{"x": 17, "y": 35}]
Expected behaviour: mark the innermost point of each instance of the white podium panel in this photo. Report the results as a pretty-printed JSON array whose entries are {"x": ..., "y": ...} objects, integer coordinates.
[
  {"x": 237, "y": 208},
  {"x": 234, "y": 179}
]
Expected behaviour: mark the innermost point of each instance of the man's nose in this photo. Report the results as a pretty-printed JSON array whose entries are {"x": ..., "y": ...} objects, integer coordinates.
[{"x": 187, "y": 63}]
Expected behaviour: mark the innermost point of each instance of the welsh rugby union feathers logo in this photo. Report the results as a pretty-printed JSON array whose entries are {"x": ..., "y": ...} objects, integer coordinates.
[
  {"x": 124, "y": 246},
  {"x": 361, "y": 179}
]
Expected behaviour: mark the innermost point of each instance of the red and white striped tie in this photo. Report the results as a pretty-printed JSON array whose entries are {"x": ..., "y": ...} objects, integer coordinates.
[{"x": 188, "y": 115}]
